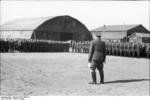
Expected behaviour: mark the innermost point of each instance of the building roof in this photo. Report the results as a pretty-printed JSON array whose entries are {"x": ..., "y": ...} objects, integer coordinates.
[
  {"x": 24, "y": 24},
  {"x": 115, "y": 27},
  {"x": 110, "y": 35}
]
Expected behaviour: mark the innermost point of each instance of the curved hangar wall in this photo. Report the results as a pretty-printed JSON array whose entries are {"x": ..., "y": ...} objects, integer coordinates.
[{"x": 60, "y": 28}]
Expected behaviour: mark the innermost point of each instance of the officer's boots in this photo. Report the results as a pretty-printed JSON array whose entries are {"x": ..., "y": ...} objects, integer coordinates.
[
  {"x": 101, "y": 77},
  {"x": 93, "y": 74}
]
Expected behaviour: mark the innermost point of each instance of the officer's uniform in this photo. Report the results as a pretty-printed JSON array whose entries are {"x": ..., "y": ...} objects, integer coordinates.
[{"x": 97, "y": 56}]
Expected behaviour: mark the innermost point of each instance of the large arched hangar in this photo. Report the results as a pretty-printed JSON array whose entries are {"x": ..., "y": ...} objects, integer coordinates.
[{"x": 60, "y": 28}]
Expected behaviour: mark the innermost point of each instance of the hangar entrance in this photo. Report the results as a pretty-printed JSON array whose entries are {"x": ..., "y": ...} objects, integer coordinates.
[{"x": 66, "y": 36}]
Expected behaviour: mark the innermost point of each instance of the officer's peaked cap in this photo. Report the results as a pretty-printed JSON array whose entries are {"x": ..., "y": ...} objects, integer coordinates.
[{"x": 98, "y": 35}]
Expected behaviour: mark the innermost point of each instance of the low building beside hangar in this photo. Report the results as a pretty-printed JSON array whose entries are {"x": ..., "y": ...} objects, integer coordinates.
[
  {"x": 119, "y": 32},
  {"x": 139, "y": 38},
  {"x": 58, "y": 28}
]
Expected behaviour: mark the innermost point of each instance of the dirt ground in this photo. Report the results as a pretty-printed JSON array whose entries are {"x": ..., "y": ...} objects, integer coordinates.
[{"x": 46, "y": 74}]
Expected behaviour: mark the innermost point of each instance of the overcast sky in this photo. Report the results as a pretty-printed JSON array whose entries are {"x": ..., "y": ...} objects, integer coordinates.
[{"x": 91, "y": 13}]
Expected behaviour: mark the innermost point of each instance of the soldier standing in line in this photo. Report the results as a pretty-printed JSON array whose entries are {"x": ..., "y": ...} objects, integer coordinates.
[{"x": 96, "y": 58}]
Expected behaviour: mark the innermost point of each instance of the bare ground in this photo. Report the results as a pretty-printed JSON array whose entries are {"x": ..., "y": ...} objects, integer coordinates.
[{"x": 67, "y": 74}]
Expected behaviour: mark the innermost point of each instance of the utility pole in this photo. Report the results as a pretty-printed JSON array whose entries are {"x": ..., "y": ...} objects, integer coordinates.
[
  {"x": 104, "y": 30},
  {"x": 124, "y": 32},
  {"x": 34, "y": 35}
]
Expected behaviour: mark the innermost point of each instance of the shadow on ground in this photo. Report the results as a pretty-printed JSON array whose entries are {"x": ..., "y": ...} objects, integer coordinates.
[{"x": 126, "y": 81}]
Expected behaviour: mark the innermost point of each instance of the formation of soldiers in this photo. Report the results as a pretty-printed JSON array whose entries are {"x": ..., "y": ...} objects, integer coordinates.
[
  {"x": 31, "y": 45},
  {"x": 80, "y": 46},
  {"x": 112, "y": 48},
  {"x": 116, "y": 48}
]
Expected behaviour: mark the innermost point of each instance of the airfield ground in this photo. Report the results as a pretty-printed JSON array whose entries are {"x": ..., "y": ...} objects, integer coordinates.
[{"x": 47, "y": 74}]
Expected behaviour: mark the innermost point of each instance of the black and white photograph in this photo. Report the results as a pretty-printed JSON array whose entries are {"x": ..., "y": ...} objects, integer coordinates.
[{"x": 74, "y": 48}]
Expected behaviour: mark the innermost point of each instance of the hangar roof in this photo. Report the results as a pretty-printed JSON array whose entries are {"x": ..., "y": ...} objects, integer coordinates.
[{"x": 24, "y": 24}]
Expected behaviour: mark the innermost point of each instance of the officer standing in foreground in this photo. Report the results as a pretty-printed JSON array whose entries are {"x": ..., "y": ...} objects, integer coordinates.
[{"x": 97, "y": 55}]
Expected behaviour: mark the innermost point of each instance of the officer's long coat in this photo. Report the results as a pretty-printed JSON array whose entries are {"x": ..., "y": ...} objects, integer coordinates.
[{"x": 97, "y": 51}]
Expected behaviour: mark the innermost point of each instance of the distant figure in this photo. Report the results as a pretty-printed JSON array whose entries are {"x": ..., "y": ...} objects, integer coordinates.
[{"x": 97, "y": 55}]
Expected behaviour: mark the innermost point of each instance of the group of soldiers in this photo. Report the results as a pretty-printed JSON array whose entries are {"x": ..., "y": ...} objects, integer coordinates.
[
  {"x": 32, "y": 45},
  {"x": 127, "y": 49},
  {"x": 115, "y": 48},
  {"x": 80, "y": 46},
  {"x": 112, "y": 48}
]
